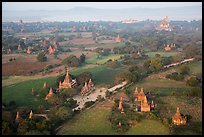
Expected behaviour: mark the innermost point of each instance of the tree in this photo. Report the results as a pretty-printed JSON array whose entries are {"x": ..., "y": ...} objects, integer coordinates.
[
  {"x": 83, "y": 77},
  {"x": 22, "y": 127},
  {"x": 54, "y": 100},
  {"x": 184, "y": 69},
  {"x": 61, "y": 113},
  {"x": 41, "y": 57},
  {"x": 71, "y": 103},
  {"x": 192, "y": 82},
  {"x": 71, "y": 61},
  {"x": 82, "y": 58}
]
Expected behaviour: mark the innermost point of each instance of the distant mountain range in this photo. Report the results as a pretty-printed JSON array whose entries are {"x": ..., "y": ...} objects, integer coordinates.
[{"x": 93, "y": 14}]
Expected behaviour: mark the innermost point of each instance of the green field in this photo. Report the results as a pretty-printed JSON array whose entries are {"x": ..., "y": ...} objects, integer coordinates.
[
  {"x": 163, "y": 54},
  {"x": 101, "y": 74},
  {"x": 89, "y": 122},
  {"x": 149, "y": 127},
  {"x": 21, "y": 92},
  {"x": 103, "y": 59},
  {"x": 95, "y": 122}
]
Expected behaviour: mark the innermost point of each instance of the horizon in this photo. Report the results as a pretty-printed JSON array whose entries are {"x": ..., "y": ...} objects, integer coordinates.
[{"x": 80, "y": 11}]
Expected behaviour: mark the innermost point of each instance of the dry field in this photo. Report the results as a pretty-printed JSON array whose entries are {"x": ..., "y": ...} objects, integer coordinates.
[
  {"x": 82, "y": 41},
  {"x": 24, "y": 64},
  {"x": 188, "y": 106}
]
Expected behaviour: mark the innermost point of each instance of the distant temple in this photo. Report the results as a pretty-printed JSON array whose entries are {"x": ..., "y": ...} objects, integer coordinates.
[
  {"x": 19, "y": 47},
  {"x": 177, "y": 119},
  {"x": 118, "y": 39},
  {"x": 169, "y": 47},
  {"x": 51, "y": 50},
  {"x": 129, "y": 21},
  {"x": 44, "y": 85},
  {"x": 164, "y": 25},
  {"x": 28, "y": 51},
  {"x": 68, "y": 82},
  {"x": 49, "y": 94},
  {"x": 8, "y": 51},
  {"x": 88, "y": 88},
  {"x": 55, "y": 45}
]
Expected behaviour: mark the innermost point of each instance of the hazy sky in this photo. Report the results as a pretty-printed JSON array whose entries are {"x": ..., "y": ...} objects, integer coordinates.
[{"x": 101, "y": 5}]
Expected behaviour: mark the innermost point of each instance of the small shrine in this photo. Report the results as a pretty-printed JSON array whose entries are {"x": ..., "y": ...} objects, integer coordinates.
[
  {"x": 177, "y": 119},
  {"x": 49, "y": 94},
  {"x": 31, "y": 115},
  {"x": 88, "y": 88}
]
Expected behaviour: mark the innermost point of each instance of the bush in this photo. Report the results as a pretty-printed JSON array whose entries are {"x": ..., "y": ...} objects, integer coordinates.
[
  {"x": 175, "y": 76},
  {"x": 41, "y": 57},
  {"x": 193, "y": 81},
  {"x": 89, "y": 103},
  {"x": 71, "y": 61}
]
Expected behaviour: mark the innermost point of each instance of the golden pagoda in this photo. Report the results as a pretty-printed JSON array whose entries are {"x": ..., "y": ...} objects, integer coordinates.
[
  {"x": 177, "y": 119},
  {"x": 51, "y": 50},
  {"x": 136, "y": 92},
  {"x": 49, "y": 94},
  {"x": 31, "y": 115},
  {"x": 67, "y": 83},
  {"x": 145, "y": 107},
  {"x": 141, "y": 95},
  {"x": 120, "y": 106}
]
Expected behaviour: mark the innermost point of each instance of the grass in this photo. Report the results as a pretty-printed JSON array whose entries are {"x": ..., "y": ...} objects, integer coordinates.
[
  {"x": 101, "y": 74},
  {"x": 94, "y": 122},
  {"x": 163, "y": 54},
  {"x": 91, "y": 122},
  {"x": 149, "y": 127},
  {"x": 103, "y": 59},
  {"x": 21, "y": 92}
]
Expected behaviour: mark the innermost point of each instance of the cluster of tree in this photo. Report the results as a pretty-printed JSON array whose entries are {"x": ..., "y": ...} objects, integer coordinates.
[
  {"x": 175, "y": 76},
  {"x": 23, "y": 126},
  {"x": 113, "y": 63},
  {"x": 193, "y": 81},
  {"x": 73, "y": 61},
  {"x": 41, "y": 57},
  {"x": 127, "y": 49},
  {"x": 134, "y": 74},
  {"x": 103, "y": 51}
]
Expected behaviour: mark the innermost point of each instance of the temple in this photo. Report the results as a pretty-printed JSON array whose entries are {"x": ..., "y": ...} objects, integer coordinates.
[
  {"x": 120, "y": 106},
  {"x": 88, "y": 88},
  {"x": 17, "y": 116},
  {"x": 145, "y": 107},
  {"x": 28, "y": 51},
  {"x": 118, "y": 39},
  {"x": 31, "y": 115},
  {"x": 164, "y": 25},
  {"x": 51, "y": 50},
  {"x": 19, "y": 47},
  {"x": 169, "y": 47},
  {"x": 177, "y": 119},
  {"x": 44, "y": 85},
  {"x": 49, "y": 94},
  {"x": 141, "y": 101},
  {"x": 68, "y": 82}
]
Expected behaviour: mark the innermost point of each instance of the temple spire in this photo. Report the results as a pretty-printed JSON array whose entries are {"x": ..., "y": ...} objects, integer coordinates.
[
  {"x": 31, "y": 115},
  {"x": 44, "y": 85},
  {"x": 17, "y": 116},
  {"x": 120, "y": 103}
]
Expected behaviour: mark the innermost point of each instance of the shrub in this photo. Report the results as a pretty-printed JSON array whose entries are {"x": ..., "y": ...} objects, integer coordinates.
[
  {"x": 193, "y": 81},
  {"x": 41, "y": 57},
  {"x": 89, "y": 103}
]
